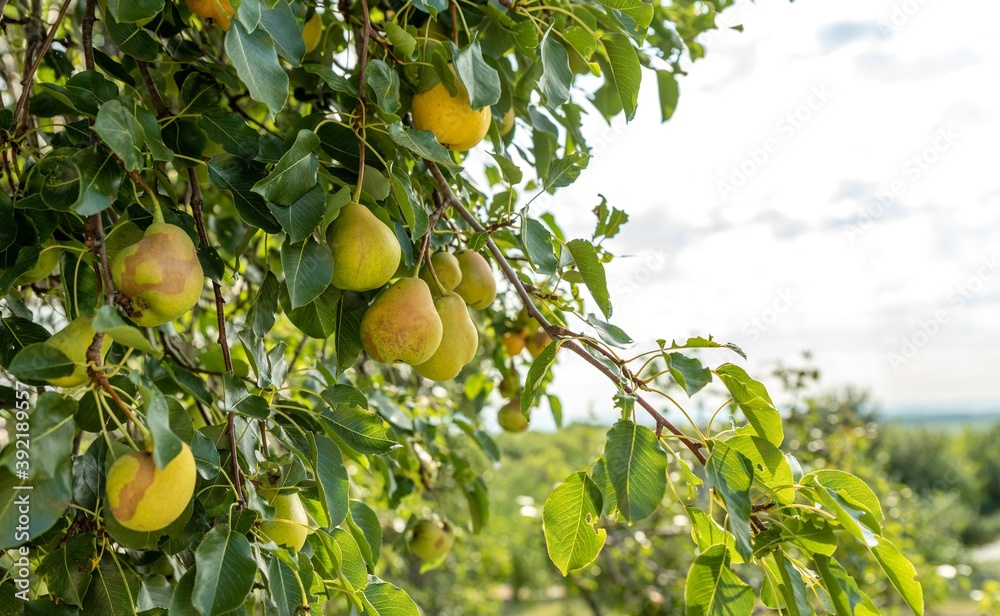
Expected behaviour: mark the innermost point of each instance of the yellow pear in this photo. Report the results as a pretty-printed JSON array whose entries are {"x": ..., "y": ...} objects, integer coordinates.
[
  {"x": 312, "y": 32},
  {"x": 507, "y": 123},
  {"x": 402, "y": 325},
  {"x": 510, "y": 417},
  {"x": 513, "y": 342},
  {"x": 145, "y": 498},
  {"x": 160, "y": 273},
  {"x": 213, "y": 11},
  {"x": 290, "y": 525},
  {"x": 459, "y": 340},
  {"x": 73, "y": 340},
  {"x": 448, "y": 272},
  {"x": 365, "y": 250},
  {"x": 537, "y": 342},
  {"x": 452, "y": 119},
  {"x": 478, "y": 287}
]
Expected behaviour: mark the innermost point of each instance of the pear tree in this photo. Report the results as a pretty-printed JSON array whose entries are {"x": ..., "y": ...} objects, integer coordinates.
[{"x": 272, "y": 270}]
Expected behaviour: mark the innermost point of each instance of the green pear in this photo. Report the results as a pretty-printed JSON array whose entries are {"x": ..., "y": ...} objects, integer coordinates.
[
  {"x": 290, "y": 525},
  {"x": 510, "y": 417},
  {"x": 160, "y": 273},
  {"x": 478, "y": 287},
  {"x": 459, "y": 340},
  {"x": 448, "y": 272},
  {"x": 47, "y": 261},
  {"x": 402, "y": 325},
  {"x": 73, "y": 340},
  {"x": 431, "y": 541},
  {"x": 365, "y": 250}
]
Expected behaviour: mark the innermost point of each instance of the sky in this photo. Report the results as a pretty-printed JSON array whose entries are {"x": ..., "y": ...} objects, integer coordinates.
[{"x": 828, "y": 183}]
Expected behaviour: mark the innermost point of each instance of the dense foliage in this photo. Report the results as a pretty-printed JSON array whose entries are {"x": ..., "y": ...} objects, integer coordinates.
[{"x": 234, "y": 449}]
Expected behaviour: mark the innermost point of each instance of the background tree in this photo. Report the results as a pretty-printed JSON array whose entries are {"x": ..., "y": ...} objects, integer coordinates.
[{"x": 231, "y": 451}]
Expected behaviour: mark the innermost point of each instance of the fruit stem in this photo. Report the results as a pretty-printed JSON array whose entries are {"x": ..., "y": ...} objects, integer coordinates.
[
  {"x": 430, "y": 268},
  {"x": 157, "y": 210}
]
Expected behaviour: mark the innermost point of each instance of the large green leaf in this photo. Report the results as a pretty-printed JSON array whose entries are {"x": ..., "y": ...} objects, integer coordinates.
[
  {"x": 420, "y": 142},
  {"x": 637, "y": 467},
  {"x": 712, "y": 589},
  {"x": 67, "y": 570},
  {"x": 129, "y": 11},
  {"x": 308, "y": 270},
  {"x": 731, "y": 475},
  {"x": 279, "y": 21},
  {"x": 901, "y": 573},
  {"x": 706, "y": 532},
  {"x": 626, "y": 73},
  {"x": 754, "y": 401},
  {"x": 40, "y": 362},
  {"x": 383, "y": 599},
  {"x": 303, "y": 216},
  {"x": 533, "y": 382},
  {"x": 238, "y": 176},
  {"x": 331, "y": 478},
  {"x": 114, "y": 589},
  {"x": 231, "y": 132},
  {"x": 225, "y": 571},
  {"x": 362, "y": 430},
  {"x": 256, "y": 61},
  {"x": 479, "y": 78},
  {"x": 295, "y": 174},
  {"x": 569, "y": 518},
  {"x": 688, "y": 372},
  {"x": 770, "y": 467},
  {"x": 556, "y": 76},
  {"x": 119, "y": 128},
  {"x": 592, "y": 271}
]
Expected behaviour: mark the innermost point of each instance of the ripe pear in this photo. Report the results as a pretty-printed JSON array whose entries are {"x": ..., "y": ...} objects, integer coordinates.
[
  {"x": 145, "y": 498},
  {"x": 458, "y": 342},
  {"x": 537, "y": 342},
  {"x": 290, "y": 525},
  {"x": 402, "y": 324},
  {"x": 431, "y": 541},
  {"x": 213, "y": 11},
  {"x": 365, "y": 250},
  {"x": 448, "y": 272},
  {"x": 478, "y": 287},
  {"x": 513, "y": 342},
  {"x": 73, "y": 340},
  {"x": 312, "y": 32},
  {"x": 160, "y": 273},
  {"x": 510, "y": 417},
  {"x": 452, "y": 119},
  {"x": 507, "y": 123}
]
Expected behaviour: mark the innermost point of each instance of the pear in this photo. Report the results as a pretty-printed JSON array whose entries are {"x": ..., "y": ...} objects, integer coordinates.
[
  {"x": 537, "y": 342},
  {"x": 478, "y": 287},
  {"x": 160, "y": 273},
  {"x": 458, "y": 342},
  {"x": 218, "y": 12},
  {"x": 73, "y": 340},
  {"x": 402, "y": 325},
  {"x": 365, "y": 250},
  {"x": 513, "y": 342},
  {"x": 431, "y": 541},
  {"x": 447, "y": 269},
  {"x": 510, "y": 417},
  {"x": 290, "y": 525}
]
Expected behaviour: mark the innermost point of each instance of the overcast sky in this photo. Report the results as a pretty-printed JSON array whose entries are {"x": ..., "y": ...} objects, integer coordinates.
[{"x": 830, "y": 183}]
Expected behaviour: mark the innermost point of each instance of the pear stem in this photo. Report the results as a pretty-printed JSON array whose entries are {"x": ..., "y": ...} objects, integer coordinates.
[{"x": 624, "y": 380}]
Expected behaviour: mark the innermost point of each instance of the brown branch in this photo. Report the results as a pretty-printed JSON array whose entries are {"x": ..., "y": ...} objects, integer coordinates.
[
  {"x": 88, "y": 35},
  {"x": 556, "y": 332},
  {"x": 22, "y": 102},
  {"x": 154, "y": 95},
  {"x": 199, "y": 219}
]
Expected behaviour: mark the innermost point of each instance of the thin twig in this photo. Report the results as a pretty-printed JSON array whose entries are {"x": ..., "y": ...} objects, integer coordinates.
[
  {"x": 147, "y": 79},
  {"x": 22, "y": 102}
]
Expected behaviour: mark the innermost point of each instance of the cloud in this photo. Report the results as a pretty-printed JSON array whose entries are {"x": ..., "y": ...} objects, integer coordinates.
[
  {"x": 890, "y": 68},
  {"x": 843, "y": 33}
]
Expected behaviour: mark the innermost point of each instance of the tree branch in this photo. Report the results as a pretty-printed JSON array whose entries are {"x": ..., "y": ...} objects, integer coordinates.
[
  {"x": 22, "y": 102},
  {"x": 556, "y": 332}
]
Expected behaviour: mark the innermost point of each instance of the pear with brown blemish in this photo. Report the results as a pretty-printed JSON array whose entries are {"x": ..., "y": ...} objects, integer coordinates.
[
  {"x": 160, "y": 273},
  {"x": 145, "y": 498}
]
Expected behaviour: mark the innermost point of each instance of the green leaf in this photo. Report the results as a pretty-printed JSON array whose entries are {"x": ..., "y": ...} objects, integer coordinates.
[
  {"x": 770, "y": 467},
  {"x": 813, "y": 534},
  {"x": 151, "y": 133},
  {"x": 113, "y": 589},
  {"x": 699, "y": 342},
  {"x": 50, "y": 434},
  {"x": 569, "y": 518},
  {"x": 265, "y": 306},
  {"x": 130, "y": 11},
  {"x": 793, "y": 587},
  {"x": 732, "y": 475},
  {"x": 318, "y": 318},
  {"x": 348, "y": 333},
  {"x": 366, "y": 529},
  {"x": 283, "y": 587},
  {"x": 536, "y": 373},
  {"x": 100, "y": 178},
  {"x": 225, "y": 571},
  {"x": 637, "y": 467},
  {"x": 384, "y": 599},
  {"x": 230, "y": 131},
  {"x": 480, "y": 79},
  {"x": 49, "y": 500},
  {"x": 609, "y": 223},
  {"x": 331, "y": 478},
  {"x": 626, "y": 73},
  {"x": 302, "y": 217},
  {"x": 901, "y": 573},
  {"x": 401, "y": 40},
  {"x": 345, "y": 552},
  {"x": 640, "y": 12},
  {"x": 688, "y": 372},
  {"x": 706, "y": 533},
  {"x": 384, "y": 81},
  {"x": 285, "y": 31},
  {"x": 537, "y": 243},
  {"x": 166, "y": 444},
  {"x": 41, "y": 362},
  {"x": 754, "y": 401},
  {"x": 119, "y": 129},
  {"x": 712, "y": 589},
  {"x": 67, "y": 570},
  {"x": 308, "y": 270},
  {"x": 238, "y": 176},
  {"x": 556, "y": 76},
  {"x": 362, "y": 430},
  {"x": 410, "y": 207},
  {"x": 294, "y": 174},
  {"x": 667, "y": 84},
  {"x": 592, "y": 271},
  {"x": 335, "y": 81},
  {"x": 17, "y": 333},
  {"x": 241, "y": 401},
  {"x": 850, "y": 486},
  {"x": 132, "y": 40},
  {"x": 511, "y": 172},
  {"x": 423, "y": 143},
  {"x": 611, "y": 334},
  {"x": 565, "y": 171},
  {"x": 256, "y": 61},
  {"x": 107, "y": 320}
]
